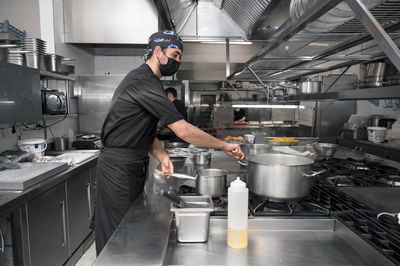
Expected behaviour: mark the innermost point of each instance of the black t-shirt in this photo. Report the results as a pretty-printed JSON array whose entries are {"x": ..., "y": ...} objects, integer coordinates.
[
  {"x": 138, "y": 104},
  {"x": 180, "y": 106}
]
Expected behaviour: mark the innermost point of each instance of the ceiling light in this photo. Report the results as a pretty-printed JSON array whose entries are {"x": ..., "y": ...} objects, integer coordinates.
[
  {"x": 237, "y": 74},
  {"x": 224, "y": 42},
  {"x": 272, "y": 106}
]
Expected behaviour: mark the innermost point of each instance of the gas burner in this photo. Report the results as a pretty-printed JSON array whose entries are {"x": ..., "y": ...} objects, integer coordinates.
[
  {"x": 273, "y": 207},
  {"x": 340, "y": 181},
  {"x": 264, "y": 207},
  {"x": 393, "y": 181},
  {"x": 186, "y": 190},
  {"x": 220, "y": 203}
]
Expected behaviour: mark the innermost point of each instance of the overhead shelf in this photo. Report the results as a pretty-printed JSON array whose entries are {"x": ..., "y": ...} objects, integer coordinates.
[
  {"x": 55, "y": 75},
  {"x": 390, "y": 92},
  {"x": 291, "y": 52}
]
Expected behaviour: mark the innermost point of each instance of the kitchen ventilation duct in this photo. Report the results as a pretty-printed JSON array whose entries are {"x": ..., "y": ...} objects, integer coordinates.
[
  {"x": 335, "y": 17},
  {"x": 245, "y": 13}
]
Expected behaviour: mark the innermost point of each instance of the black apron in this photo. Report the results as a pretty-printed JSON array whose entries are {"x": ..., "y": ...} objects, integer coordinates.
[{"x": 121, "y": 174}]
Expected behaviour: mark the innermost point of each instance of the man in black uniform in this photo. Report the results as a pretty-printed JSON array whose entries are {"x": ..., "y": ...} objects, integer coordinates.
[
  {"x": 180, "y": 106},
  {"x": 129, "y": 130}
]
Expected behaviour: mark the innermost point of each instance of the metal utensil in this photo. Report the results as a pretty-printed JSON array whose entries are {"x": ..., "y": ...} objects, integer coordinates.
[
  {"x": 325, "y": 149},
  {"x": 173, "y": 196},
  {"x": 210, "y": 182},
  {"x": 308, "y": 87},
  {"x": 202, "y": 158}
]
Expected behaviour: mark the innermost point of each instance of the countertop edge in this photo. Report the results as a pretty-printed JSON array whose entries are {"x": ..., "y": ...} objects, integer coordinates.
[{"x": 21, "y": 197}]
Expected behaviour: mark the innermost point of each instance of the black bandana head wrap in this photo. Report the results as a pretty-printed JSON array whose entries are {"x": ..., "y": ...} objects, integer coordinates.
[{"x": 164, "y": 39}]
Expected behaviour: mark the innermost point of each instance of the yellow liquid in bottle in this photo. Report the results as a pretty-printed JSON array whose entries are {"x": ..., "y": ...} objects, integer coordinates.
[{"x": 237, "y": 238}]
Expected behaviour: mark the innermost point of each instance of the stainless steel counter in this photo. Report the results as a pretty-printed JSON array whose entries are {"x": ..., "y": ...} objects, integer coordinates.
[
  {"x": 11, "y": 199},
  {"x": 278, "y": 242},
  {"x": 144, "y": 237}
]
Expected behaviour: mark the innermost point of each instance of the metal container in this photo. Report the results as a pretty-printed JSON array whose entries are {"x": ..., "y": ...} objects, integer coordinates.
[
  {"x": 209, "y": 182},
  {"x": 308, "y": 87},
  {"x": 279, "y": 177},
  {"x": 35, "y": 60},
  {"x": 325, "y": 149},
  {"x": 192, "y": 224},
  {"x": 376, "y": 69},
  {"x": 67, "y": 69},
  {"x": 291, "y": 91},
  {"x": 375, "y": 120},
  {"x": 202, "y": 158},
  {"x": 52, "y": 62},
  {"x": 61, "y": 144},
  {"x": 3, "y": 54},
  {"x": 17, "y": 59},
  {"x": 176, "y": 145}
]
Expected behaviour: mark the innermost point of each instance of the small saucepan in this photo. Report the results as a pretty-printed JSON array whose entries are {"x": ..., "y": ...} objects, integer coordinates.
[{"x": 209, "y": 182}]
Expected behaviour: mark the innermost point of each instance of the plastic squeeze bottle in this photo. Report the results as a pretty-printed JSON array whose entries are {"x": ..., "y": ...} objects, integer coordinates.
[{"x": 238, "y": 197}]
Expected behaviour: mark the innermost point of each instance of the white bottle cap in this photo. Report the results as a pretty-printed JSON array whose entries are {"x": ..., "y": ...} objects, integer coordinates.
[{"x": 238, "y": 183}]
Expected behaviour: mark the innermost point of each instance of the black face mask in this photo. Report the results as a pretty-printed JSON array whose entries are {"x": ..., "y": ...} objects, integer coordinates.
[{"x": 170, "y": 67}]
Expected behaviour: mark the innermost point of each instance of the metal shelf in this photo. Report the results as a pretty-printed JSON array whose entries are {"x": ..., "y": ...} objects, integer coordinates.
[
  {"x": 306, "y": 54},
  {"x": 45, "y": 73},
  {"x": 390, "y": 92}
]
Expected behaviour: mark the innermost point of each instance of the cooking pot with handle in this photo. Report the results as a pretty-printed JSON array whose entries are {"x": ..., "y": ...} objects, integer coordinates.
[{"x": 279, "y": 177}]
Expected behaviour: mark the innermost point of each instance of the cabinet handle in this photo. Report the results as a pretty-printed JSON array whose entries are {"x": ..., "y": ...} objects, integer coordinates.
[
  {"x": 64, "y": 224},
  {"x": 89, "y": 201},
  {"x": 2, "y": 242}
]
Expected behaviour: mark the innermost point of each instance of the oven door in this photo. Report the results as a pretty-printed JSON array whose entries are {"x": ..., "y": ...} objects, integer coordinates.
[{"x": 53, "y": 102}]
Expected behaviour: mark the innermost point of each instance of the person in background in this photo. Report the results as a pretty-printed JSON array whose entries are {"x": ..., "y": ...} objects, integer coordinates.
[
  {"x": 239, "y": 115},
  {"x": 180, "y": 106},
  {"x": 129, "y": 134}
]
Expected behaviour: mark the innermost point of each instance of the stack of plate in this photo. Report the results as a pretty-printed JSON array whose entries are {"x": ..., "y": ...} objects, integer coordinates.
[{"x": 36, "y": 50}]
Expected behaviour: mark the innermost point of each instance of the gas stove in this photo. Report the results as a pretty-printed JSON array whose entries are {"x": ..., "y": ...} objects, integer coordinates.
[
  {"x": 262, "y": 207},
  {"x": 352, "y": 173}
]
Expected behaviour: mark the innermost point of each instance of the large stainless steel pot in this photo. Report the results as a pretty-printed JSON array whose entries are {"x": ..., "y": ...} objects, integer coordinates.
[
  {"x": 250, "y": 149},
  {"x": 210, "y": 182},
  {"x": 308, "y": 87},
  {"x": 279, "y": 177}
]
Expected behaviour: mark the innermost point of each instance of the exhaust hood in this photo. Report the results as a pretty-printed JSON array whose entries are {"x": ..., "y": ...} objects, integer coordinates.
[{"x": 212, "y": 20}]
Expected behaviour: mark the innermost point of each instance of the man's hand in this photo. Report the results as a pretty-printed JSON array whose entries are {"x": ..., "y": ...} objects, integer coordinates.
[
  {"x": 234, "y": 151},
  {"x": 166, "y": 166}
]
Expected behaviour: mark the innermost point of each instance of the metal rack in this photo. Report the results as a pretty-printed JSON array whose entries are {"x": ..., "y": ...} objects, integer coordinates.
[
  {"x": 291, "y": 53},
  {"x": 390, "y": 92}
]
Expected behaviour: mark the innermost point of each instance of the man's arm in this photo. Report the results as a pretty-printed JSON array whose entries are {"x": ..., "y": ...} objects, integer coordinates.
[
  {"x": 192, "y": 134},
  {"x": 159, "y": 153}
]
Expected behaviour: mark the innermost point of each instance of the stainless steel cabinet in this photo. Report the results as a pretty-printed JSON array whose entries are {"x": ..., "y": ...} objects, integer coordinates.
[
  {"x": 6, "y": 241},
  {"x": 93, "y": 186},
  {"x": 79, "y": 197},
  {"x": 47, "y": 223}
]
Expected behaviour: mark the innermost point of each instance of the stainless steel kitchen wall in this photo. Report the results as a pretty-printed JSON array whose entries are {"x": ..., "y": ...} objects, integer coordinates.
[
  {"x": 94, "y": 99},
  {"x": 333, "y": 114},
  {"x": 103, "y": 21}
]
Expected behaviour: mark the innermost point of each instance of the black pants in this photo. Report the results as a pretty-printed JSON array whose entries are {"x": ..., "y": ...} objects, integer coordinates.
[{"x": 121, "y": 175}]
